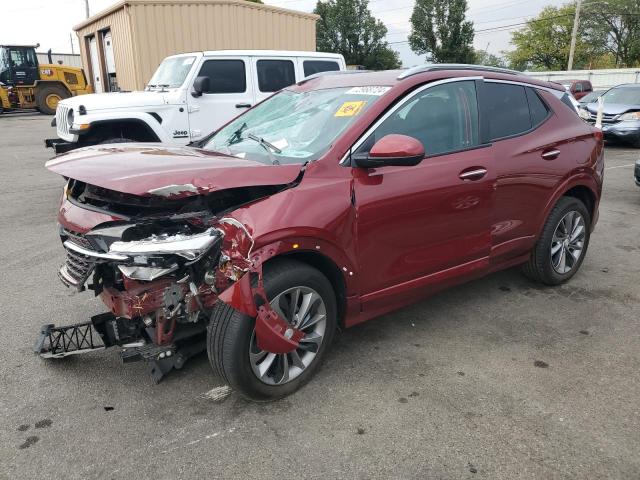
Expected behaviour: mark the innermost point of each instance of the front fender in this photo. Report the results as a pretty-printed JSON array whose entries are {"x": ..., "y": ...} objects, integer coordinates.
[{"x": 94, "y": 120}]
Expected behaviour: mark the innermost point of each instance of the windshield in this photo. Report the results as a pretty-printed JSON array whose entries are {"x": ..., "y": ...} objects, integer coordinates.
[
  {"x": 623, "y": 95},
  {"x": 590, "y": 97},
  {"x": 294, "y": 127},
  {"x": 171, "y": 72}
]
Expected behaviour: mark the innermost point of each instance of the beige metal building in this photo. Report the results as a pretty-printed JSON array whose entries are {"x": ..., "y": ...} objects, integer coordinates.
[{"x": 122, "y": 45}]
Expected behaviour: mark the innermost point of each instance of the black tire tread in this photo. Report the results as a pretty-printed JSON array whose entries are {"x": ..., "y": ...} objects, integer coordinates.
[
  {"x": 41, "y": 96},
  {"x": 226, "y": 321},
  {"x": 534, "y": 269}
]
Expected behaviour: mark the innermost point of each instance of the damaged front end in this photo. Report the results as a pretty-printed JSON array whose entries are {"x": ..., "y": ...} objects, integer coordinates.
[{"x": 159, "y": 267}]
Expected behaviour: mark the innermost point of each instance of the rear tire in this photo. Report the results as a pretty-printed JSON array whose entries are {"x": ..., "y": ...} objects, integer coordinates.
[
  {"x": 48, "y": 96},
  {"x": 231, "y": 342},
  {"x": 566, "y": 231}
]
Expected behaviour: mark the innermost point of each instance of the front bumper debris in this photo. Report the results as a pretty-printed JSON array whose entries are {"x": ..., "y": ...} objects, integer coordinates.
[
  {"x": 58, "y": 342},
  {"x": 106, "y": 330}
]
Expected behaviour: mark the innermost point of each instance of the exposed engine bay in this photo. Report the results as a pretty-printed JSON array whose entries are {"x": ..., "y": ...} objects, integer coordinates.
[{"x": 159, "y": 267}]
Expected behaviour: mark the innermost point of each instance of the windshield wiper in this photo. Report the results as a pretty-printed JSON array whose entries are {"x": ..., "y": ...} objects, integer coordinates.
[
  {"x": 269, "y": 147},
  {"x": 236, "y": 137}
]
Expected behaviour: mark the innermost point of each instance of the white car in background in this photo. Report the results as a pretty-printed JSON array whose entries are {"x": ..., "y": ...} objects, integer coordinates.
[{"x": 189, "y": 96}]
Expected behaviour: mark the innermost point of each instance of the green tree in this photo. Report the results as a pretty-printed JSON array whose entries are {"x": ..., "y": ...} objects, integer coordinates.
[
  {"x": 543, "y": 43},
  {"x": 489, "y": 59},
  {"x": 440, "y": 30},
  {"x": 615, "y": 26},
  {"x": 347, "y": 27}
]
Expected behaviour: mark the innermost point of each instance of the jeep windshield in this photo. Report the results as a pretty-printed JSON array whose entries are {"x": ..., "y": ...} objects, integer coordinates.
[
  {"x": 293, "y": 127},
  {"x": 171, "y": 72}
]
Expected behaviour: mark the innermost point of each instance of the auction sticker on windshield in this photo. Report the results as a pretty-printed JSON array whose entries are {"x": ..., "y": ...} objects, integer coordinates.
[
  {"x": 368, "y": 90},
  {"x": 350, "y": 109}
]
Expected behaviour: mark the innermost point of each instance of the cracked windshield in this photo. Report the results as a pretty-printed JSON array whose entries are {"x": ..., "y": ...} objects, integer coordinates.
[{"x": 293, "y": 127}]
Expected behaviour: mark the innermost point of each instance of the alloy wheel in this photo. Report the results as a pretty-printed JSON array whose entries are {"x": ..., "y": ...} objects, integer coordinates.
[
  {"x": 567, "y": 244},
  {"x": 303, "y": 308}
]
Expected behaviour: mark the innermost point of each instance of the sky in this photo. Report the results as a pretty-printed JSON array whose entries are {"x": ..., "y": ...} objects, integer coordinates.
[{"x": 51, "y": 21}]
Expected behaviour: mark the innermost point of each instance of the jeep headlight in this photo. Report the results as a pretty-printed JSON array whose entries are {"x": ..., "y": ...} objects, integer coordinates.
[
  {"x": 630, "y": 117},
  {"x": 70, "y": 117},
  {"x": 584, "y": 114}
]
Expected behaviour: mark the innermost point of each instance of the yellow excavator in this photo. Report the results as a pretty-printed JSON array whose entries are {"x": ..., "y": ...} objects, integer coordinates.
[{"x": 24, "y": 84}]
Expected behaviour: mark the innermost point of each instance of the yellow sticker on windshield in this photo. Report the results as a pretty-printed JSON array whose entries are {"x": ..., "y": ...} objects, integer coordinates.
[{"x": 350, "y": 109}]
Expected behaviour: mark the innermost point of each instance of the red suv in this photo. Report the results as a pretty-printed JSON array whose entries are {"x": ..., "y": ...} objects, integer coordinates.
[{"x": 334, "y": 201}]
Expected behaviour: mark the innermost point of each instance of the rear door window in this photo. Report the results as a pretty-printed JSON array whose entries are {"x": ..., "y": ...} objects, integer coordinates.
[
  {"x": 312, "y": 67},
  {"x": 506, "y": 110},
  {"x": 227, "y": 76},
  {"x": 274, "y": 75}
]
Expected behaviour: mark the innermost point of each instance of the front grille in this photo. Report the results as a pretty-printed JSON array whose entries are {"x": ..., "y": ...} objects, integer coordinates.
[
  {"x": 606, "y": 118},
  {"x": 77, "y": 268},
  {"x": 61, "y": 119},
  {"x": 77, "y": 238}
]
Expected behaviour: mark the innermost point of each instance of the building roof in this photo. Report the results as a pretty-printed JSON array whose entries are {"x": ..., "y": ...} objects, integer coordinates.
[{"x": 240, "y": 3}]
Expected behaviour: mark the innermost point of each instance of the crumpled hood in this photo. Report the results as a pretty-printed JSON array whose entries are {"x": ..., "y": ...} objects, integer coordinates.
[
  {"x": 104, "y": 101},
  {"x": 612, "y": 108},
  {"x": 174, "y": 172}
]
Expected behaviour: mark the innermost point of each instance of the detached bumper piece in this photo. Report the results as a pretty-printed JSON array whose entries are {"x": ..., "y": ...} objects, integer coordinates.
[
  {"x": 58, "y": 342},
  {"x": 106, "y": 330}
]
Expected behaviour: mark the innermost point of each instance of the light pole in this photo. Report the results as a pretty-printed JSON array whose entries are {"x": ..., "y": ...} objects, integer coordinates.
[
  {"x": 86, "y": 7},
  {"x": 574, "y": 34}
]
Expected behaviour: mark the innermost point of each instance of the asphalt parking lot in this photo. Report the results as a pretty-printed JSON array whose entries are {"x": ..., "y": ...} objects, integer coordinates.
[{"x": 498, "y": 378}]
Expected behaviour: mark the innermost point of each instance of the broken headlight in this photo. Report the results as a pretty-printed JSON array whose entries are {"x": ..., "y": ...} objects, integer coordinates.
[
  {"x": 153, "y": 257},
  {"x": 189, "y": 247}
]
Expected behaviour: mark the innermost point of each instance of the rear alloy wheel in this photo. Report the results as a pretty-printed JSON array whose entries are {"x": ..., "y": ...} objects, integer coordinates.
[
  {"x": 303, "y": 297},
  {"x": 48, "y": 97},
  {"x": 561, "y": 248}
]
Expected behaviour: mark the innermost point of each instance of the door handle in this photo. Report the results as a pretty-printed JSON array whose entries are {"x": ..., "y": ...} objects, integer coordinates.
[
  {"x": 550, "y": 154},
  {"x": 243, "y": 105},
  {"x": 475, "y": 173}
]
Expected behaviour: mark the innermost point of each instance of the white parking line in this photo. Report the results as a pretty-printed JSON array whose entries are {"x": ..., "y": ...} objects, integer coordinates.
[{"x": 620, "y": 166}]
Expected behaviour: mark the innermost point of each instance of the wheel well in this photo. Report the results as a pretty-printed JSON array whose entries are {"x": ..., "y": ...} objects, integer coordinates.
[
  {"x": 133, "y": 129},
  {"x": 329, "y": 269},
  {"x": 585, "y": 195}
]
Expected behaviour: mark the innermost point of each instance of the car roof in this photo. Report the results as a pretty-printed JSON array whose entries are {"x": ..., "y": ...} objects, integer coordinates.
[
  {"x": 269, "y": 53},
  {"x": 356, "y": 78}
]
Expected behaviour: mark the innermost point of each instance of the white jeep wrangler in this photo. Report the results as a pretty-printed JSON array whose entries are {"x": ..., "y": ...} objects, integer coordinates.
[{"x": 189, "y": 96}]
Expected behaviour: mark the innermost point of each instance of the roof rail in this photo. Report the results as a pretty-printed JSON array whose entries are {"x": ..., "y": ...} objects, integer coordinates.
[
  {"x": 454, "y": 66},
  {"x": 331, "y": 72}
]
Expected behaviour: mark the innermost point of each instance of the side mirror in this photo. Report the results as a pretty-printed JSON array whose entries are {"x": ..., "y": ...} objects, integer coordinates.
[
  {"x": 201, "y": 85},
  {"x": 392, "y": 150}
]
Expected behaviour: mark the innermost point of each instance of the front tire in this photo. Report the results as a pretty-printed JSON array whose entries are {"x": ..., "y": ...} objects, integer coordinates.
[
  {"x": 48, "y": 96},
  {"x": 562, "y": 246},
  {"x": 301, "y": 295}
]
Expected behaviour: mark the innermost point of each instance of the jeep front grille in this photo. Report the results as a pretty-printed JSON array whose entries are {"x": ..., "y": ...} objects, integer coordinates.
[{"x": 61, "y": 119}]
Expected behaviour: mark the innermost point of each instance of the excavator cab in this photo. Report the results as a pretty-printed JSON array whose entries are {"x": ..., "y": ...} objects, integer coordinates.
[{"x": 25, "y": 84}]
